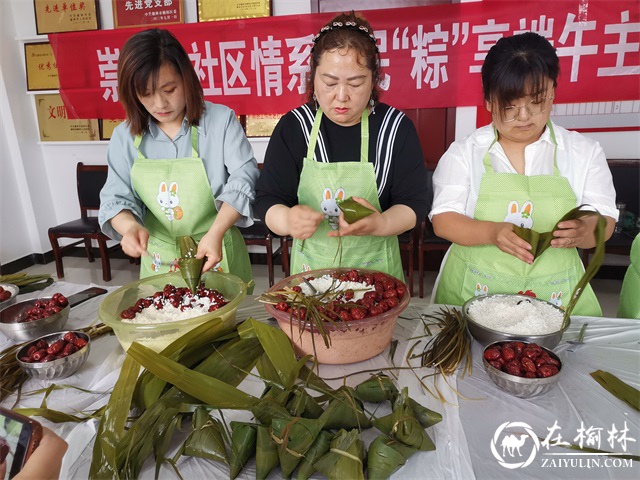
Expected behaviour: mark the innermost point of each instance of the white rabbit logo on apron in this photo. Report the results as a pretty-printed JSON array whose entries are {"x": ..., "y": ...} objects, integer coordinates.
[
  {"x": 329, "y": 206},
  {"x": 522, "y": 218},
  {"x": 168, "y": 200}
]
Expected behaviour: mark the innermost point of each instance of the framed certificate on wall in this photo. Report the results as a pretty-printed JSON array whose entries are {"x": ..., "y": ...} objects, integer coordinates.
[
  {"x": 54, "y": 16},
  {"x": 55, "y": 126},
  {"x": 261, "y": 125},
  {"x": 131, "y": 13},
  {"x": 106, "y": 128},
  {"x": 42, "y": 70},
  {"x": 209, "y": 10}
]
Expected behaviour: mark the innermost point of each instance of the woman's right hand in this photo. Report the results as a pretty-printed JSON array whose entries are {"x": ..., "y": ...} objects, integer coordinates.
[
  {"x": 509, "y": 242},
  {"x": 134, "y": 241},
  {"x": 134, "y": 236},
  {"x": 303, "y": 221}
]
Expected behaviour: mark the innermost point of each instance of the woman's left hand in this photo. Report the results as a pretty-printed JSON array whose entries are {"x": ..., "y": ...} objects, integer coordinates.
[
  {"x": 577, "y": 233},
  {"x": 210, "y": 246},
  {"x": 365, "y": 226}
]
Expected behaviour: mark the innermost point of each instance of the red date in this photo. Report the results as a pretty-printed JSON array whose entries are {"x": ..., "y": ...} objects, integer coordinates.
[
  {"x": 522, "y": 360},
  {"x": 41, "y": 351}
]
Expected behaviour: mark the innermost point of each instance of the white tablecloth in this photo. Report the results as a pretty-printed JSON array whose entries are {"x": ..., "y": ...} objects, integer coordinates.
[{"x": 471, "y": 418}]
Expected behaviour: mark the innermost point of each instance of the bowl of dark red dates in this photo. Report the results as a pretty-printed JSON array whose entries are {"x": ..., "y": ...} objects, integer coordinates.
[
  {"x": 523, "y": 369},
  {"x": 8, "y": 292},
  {"x": 29, "y": 319},
  {"x": 54, "y": 356}
]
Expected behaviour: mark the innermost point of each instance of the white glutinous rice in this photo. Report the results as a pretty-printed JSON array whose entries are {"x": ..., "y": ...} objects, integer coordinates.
[
  {"x": 169, "y": 313},
  {"x": 516, "y": 315},
  {"x": 324, "y": 283},
  {"x": 174, "y": 305}
]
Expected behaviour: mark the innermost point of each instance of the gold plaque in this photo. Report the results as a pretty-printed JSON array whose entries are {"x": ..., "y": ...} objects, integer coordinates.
[
  {"x": 231, "y": 9},
  {"x": 55, "y": 126},
  {"x": 42, "y": 70},
  {"x": 106, "y": 128},
  {"x": 65, "y": 16},
  {"x": 261, "y": 125}
]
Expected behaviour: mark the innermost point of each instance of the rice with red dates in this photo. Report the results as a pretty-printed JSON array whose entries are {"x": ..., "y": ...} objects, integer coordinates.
[
  {"x": 173, "y": 304},
  {"x": 516, "y": 315}
]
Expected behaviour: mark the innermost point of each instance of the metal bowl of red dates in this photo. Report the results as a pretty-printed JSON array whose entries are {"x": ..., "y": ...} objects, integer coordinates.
[
  {"x": 54, "y": 356},
  {"x": 24, "y": 321},
  {"x": 523, "y": 369}
]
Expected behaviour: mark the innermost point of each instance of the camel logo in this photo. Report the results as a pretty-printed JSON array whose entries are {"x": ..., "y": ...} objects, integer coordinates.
[{"x": 516, "y": 440}]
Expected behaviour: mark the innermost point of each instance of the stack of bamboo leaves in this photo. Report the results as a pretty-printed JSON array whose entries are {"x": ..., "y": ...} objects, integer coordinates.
[
  {"x": 27, "y": 283},
  {"x": 300, "y": 422}
]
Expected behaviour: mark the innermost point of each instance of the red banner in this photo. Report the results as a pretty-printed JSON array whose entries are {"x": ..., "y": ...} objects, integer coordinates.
[{"x": 431, "y": 55}]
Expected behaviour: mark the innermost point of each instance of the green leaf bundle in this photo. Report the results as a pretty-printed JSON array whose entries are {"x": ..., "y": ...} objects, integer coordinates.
[
  {"x": 190, "y": 266},
  {"x": 353, "y": 211}
]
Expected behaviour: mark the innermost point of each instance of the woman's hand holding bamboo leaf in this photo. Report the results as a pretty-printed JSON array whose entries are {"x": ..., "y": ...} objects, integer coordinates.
[
  {"x": 210, "y": 246},
  {"x": 303, "y": 221},
  {"x": 508, "y": 241},
  {"x": 575, "y": 233}
]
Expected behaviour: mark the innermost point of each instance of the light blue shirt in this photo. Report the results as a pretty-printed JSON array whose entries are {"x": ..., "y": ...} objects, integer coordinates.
[{"x": 225, "y": 151}]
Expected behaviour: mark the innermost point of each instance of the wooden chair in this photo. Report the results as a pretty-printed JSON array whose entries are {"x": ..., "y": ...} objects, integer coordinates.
[
  {"x": 428, "y": 242},
  {"x": 626, "y": 180},
  {"x": 259, "y": 234},
  {"x": 285, "y": 243},
  {"x": 90, "y": 180},
  {"x": 407, "y": 244}
]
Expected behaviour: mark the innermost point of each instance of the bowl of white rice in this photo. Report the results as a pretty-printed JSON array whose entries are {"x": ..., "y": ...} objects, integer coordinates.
[
  {"x": 156, "y": 332},
  {"x": 496, "y": 317}
]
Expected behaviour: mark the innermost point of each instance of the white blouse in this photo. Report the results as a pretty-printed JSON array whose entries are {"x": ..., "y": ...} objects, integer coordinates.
[{"x": 456, "y": 181}]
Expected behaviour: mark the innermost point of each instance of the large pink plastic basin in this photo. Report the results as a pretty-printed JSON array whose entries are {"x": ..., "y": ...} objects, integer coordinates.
[{"x": 352, "y": 341}]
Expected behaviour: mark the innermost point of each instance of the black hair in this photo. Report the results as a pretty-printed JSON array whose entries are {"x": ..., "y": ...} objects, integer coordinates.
[
  {"x": 519, "y": 66},
  {"x": 140, "y": 60},
  {"x": 347, "y": 38}
]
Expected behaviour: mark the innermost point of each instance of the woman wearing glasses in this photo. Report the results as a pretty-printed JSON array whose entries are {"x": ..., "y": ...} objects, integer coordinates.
[{"x": 523, "y": 170}]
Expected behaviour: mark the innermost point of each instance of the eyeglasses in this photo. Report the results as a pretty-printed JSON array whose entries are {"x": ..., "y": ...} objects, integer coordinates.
[{"x": 534, "y": 107}]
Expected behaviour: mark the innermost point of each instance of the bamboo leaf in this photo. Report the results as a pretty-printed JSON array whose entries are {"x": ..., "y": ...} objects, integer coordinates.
[
  {"x": 190, "y": 266},
  {"x": 345, "y": 411},
  {"x": 278, "y": 348},
  {"x": 385, "y": 456},
  {"x": 294, "y": 437},
  {"x": 206, "y": 440},
  {"x": 618, "y": 388},
  {"x": 376, "y": 389},
  {"x": 150, "y": 387},
  {"x": 54, "y": 416},
  {"x": 266, "y": 453},
  {"x": 207, "y": 389},
  {"x": 345, "y": 457},
  {"x": 243, "y": 445},
  {"x": 353, "y": 211},
  {"x": 320, "y": 446},
  {"x": 162, "y": 442},
  {"x": 111, "y": 428}
]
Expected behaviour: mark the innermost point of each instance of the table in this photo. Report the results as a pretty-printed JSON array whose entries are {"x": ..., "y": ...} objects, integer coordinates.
[{"x": 471, "y": 419}]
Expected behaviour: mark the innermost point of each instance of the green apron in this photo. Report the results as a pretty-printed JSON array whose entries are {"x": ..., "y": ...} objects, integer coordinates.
[
  {"x": 629, "y": 306},
  {"x": 532, "y": 202},
  {"x": 179, "y": 201},
  {"x": 321, "y": 186}
]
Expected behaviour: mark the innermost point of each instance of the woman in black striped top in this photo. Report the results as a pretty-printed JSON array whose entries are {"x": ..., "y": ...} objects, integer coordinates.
[{"x": 299, "y": 186}]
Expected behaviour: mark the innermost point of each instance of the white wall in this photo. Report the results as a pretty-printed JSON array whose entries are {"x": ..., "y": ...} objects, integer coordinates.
[{"x": 37, "y": 180}]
